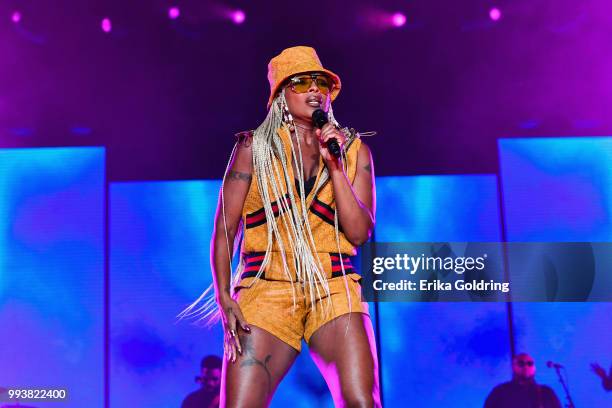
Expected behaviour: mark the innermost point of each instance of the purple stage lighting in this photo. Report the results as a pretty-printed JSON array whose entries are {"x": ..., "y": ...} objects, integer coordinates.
[
  {"x": 495, "y": 14},
  {"x": 398, "y": 19},
  {"x": 376, "y": 19},
  {"x": 106, "y": 25},
  {"x": 174, "y": 13},
  {"x": 238, "y": 16},
  {"x": 16, "y": 17}
]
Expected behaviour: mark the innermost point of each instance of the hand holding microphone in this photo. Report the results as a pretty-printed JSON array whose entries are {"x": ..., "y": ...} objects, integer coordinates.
[{"x": 320, "y": 119}]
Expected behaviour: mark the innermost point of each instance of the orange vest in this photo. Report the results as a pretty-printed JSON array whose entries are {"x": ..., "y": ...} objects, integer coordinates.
[{"x": 320, "y": 203}]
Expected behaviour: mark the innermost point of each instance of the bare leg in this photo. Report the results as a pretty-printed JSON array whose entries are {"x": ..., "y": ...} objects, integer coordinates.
[
  {"x": 252, "y": 379},
  {"x": 348, "y": 363}
]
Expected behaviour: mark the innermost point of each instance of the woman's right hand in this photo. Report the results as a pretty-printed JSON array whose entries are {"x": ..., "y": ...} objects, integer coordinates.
[{"x": 231, "y": 317}]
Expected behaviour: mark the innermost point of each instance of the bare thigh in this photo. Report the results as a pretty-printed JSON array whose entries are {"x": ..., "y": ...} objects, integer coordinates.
[
  {"x": 348, "y": 362},
  {"x": 251, "y": 380}
]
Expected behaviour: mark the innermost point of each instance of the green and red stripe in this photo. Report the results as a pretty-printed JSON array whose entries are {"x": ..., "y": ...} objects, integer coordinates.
[
  {"x": 323, "y": 211},
  {"x": 336, "y": 266},
  {"x": 258, "y": 217},
  {"x": 252, "y": 263}
]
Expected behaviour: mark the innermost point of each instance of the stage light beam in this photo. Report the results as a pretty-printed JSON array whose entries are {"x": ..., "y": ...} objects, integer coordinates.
[
  {"x": 106, "y": 25},
  {"x": 238, "y": 16},
  {"x": 398, "y": 19},
  {"x": 495, "y": 14},
  {"x": 174, "y": 13}
]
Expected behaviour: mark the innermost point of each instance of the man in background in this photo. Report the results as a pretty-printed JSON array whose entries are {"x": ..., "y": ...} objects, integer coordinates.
[
  {"x": 522, "y": 391},
  {"x": 210, "y": 384}
]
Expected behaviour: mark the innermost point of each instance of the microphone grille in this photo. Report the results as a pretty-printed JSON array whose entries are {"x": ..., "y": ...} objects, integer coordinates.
[{"x": 319, "y": 118}]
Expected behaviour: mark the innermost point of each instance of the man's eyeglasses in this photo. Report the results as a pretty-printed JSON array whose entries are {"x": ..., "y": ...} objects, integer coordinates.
[
  {"x": 302, "y": 83},
  {"x": 523, "y": 363}
]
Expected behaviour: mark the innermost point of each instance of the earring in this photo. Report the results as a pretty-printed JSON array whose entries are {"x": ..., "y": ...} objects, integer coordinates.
[{"x": 287, "y": 118}]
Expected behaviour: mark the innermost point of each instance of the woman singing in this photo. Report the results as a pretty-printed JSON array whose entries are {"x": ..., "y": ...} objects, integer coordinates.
[{"x": 301, "y": 212}]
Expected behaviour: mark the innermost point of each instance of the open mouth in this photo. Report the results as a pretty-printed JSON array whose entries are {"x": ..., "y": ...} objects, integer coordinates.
[{"x": 314, "y": 102}]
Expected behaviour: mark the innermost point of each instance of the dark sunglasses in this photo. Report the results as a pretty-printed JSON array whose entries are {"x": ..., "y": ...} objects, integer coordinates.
[
  {"x": 523, "y": 363},
  {"x": 302, "y": 83}
]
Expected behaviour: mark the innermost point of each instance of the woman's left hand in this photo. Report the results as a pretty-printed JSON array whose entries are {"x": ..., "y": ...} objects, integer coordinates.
[{"x": 330, "y": 132}]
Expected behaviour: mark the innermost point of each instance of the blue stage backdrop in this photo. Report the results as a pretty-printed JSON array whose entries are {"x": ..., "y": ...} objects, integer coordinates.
[
  {"x": 440, "y": 354},
  {"x": 557, "y": 189},
  {"x": 560, "y": 189},
  {"x": 51, "y": 271},
  {"x": 159, "y": 262}
]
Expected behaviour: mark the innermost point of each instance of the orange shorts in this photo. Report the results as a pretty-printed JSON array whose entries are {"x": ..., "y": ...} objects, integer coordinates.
[{"x": 269, "y": 305}]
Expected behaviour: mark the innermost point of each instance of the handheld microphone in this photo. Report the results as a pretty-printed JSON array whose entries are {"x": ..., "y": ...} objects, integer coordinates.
[
  {"x": 552, "y": 364},
  {"x": 319, "y": 118}
]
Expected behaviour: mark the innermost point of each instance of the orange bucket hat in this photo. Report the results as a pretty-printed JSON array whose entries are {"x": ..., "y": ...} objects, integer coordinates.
[{"x": 296, "y": 60}]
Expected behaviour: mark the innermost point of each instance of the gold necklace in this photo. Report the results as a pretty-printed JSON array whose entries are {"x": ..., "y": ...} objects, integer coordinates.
[{"x": 303, "y": 127}]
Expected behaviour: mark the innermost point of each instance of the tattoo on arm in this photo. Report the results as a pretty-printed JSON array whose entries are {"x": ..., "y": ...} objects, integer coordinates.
[
  {"x": 367, "y": 168},
  {"x": 251, "y": 361},
  {"x": 236, "y": 175}
]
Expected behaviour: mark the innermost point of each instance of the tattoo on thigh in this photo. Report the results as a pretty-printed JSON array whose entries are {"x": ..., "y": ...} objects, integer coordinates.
[
  {"x": 250, "y": 360},
  {"x": 236, "y": 175},
  {"x": 367, "y": 168}
]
